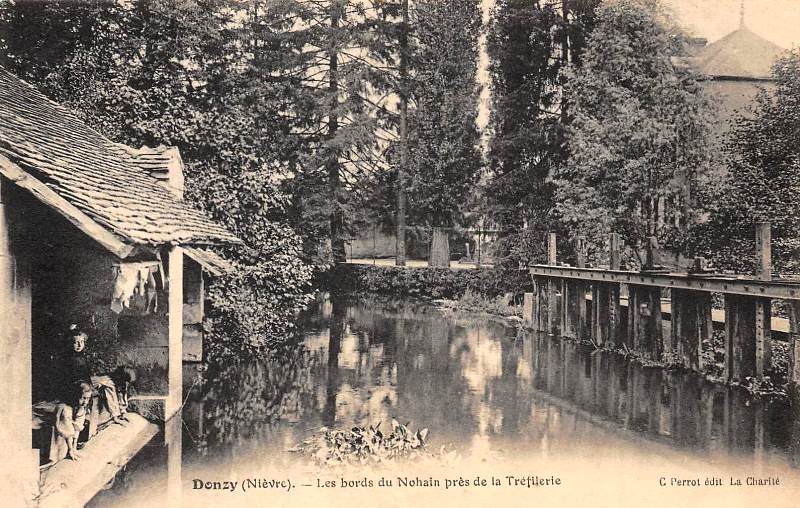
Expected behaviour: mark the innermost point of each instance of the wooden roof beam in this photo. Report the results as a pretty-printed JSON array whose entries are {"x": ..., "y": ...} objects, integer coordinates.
[{"x": 79, "y": 219}]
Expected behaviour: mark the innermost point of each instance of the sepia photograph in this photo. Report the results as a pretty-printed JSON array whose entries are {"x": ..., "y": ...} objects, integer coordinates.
[{"x": 399, "y": 253}]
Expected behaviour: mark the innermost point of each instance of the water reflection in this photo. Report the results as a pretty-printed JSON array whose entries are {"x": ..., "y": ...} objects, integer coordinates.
[{"x": 480, "y": 386}]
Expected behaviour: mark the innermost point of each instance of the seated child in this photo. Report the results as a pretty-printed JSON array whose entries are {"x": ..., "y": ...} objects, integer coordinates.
[
  {"x": 105, "y": 385},
  {"x": 70, "y": 420}
]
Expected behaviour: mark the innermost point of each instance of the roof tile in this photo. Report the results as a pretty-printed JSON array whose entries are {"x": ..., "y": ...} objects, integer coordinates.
[{"x": 117, "y": 187}]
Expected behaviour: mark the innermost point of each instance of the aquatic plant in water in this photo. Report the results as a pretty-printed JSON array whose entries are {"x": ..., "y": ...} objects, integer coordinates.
[{"x": 362, "y": 445}]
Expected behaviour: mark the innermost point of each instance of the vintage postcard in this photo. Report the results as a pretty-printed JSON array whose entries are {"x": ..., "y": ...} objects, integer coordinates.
[{"x": 399, "y": 253}]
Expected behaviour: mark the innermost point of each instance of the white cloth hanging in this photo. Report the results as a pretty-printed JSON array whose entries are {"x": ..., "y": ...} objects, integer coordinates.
[{"x": 131, "y": 279}]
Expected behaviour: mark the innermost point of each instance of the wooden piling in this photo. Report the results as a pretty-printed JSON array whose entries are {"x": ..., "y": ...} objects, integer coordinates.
[
  {"x": 527, "y": 309},
  {"x": 794, "y": 341},
  {"x": 691, "y": 325},
  {"x": 541, "y": 323},
  {"x": 580, "y": 252},
  {"x": 747, "y": 337},
  {"x": 645, "y": 333},
  {"x": 551, "y": 249},
  {"x": 615, "y": 248},
  {"x": 605, "y": 313},
  {"x": 763, "y": 251},
  {"x": 573, "y": 309},
  {"x": 553, "y": 296}
]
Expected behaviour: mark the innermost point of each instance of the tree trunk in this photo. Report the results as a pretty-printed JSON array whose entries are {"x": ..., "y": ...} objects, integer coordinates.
[
  {"x": 336, "y": 218},
  {"x": 440, "y": 249},
  {"x": 400, "y": 259}
]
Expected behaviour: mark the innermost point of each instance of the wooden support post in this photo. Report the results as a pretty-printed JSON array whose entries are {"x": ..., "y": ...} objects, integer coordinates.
[
  {"x": 551, "y": 249},
  {"x": 527, "y": 309},
  {"x": 580, "y": 252},
  {"x": 794, "y": 341},
  {"x": 536, "y": 318},
  {"x": 173, "y": 438},
  {"x": 543, "y": 314},
  {"x": 19, "y": 474},
  {"x": 644, "y": 320},
  {"x": 763, "y": 336},
  {"x": 175, "y": 331},
  {"x": 615, "y": 248},
  {"x": 599, "y": 317},
  {"x": 554, "y": 304},
  {"x": 650, "y": 261},
  {"x": 605, "y": 313},
  {"x": 748, "y": 348},
  {"x": 553, "y": 286},
  {"x": 568, "y": 318},
  {"x": 691, "y": 325},
  {"x": 573, "y": 309},
  {"x": 763, "y": 251}
]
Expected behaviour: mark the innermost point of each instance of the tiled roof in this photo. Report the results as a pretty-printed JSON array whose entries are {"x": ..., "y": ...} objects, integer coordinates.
[
  {"x": 108, "y": 182},
  {"x": 740, "y": 54}
]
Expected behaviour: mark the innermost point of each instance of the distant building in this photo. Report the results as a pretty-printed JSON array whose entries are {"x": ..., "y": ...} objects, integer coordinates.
[{"x": 735, "y": 68}]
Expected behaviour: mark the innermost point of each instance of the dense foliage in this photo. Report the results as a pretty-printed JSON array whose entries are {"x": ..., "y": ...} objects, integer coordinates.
[
  {"x": 639, "y": 132},
  {"x": 530, "y": 43},
  {"x": 427, "y": 283},
  {"x": 189, "y": 75},
  {"x": 445, "y": 159}
]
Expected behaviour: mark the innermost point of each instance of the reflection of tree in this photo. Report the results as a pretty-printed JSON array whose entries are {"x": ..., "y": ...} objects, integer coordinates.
[
  {"x": 337, "y": 327},
  {"x": 432, "y": 390},
  {"x": 514, "y": 405},
  {"x": 243, "y": 399}
]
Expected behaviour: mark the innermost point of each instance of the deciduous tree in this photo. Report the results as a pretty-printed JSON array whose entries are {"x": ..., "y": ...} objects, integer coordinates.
[{"x": 638, "y": 135}]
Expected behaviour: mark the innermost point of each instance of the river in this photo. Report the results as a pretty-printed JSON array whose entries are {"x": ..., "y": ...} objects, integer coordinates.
[{"x": 498, "y": 402}]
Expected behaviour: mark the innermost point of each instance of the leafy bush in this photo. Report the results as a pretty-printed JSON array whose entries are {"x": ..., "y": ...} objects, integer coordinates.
[
  {"x": 361, "y": 445},
  {"x": 427, "y": 283},
  {"x": 499, "y": 305}
]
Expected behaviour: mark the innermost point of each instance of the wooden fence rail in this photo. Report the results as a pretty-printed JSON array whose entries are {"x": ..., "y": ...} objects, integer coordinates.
[{"x": 580, "y": 302}]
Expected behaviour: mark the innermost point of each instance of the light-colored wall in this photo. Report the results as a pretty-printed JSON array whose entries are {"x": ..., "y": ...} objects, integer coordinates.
[
  {"x": 371, "y": 243},
  {"x": 733, "y": 98},
  {"x": 19, "y": 467}
]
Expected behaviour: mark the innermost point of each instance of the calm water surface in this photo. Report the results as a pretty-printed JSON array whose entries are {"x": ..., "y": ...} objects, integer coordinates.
[{"x": 485, "y": 389}]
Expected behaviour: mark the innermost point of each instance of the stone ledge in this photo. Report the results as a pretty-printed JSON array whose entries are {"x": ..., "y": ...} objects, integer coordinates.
[{"x": 71, "y": 483}]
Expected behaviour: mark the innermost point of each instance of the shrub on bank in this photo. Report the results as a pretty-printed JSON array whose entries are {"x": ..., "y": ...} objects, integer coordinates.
[{"x": 427, "y": 283}]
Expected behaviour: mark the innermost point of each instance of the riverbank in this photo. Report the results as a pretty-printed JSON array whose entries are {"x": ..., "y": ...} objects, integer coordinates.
[{"x": 423, "y": 282}]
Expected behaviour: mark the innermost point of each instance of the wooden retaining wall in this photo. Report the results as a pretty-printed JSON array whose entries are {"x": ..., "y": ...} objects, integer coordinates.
[{"x": 586, "y": 303}]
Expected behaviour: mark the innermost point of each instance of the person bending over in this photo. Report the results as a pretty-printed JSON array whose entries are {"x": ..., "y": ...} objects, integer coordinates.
[{"x": 70, "y": 420}]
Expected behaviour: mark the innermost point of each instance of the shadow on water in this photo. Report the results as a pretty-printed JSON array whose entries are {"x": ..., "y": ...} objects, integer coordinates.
[{"x": 482, "y": 387}]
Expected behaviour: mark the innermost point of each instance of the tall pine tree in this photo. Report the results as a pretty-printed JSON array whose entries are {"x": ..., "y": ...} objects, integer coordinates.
[
  {"x": 530, "y": 43},
  {"x": 445, "y": 160}
]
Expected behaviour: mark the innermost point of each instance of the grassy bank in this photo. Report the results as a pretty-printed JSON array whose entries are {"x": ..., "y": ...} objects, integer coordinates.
[{"x": 424, "y": 283}]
